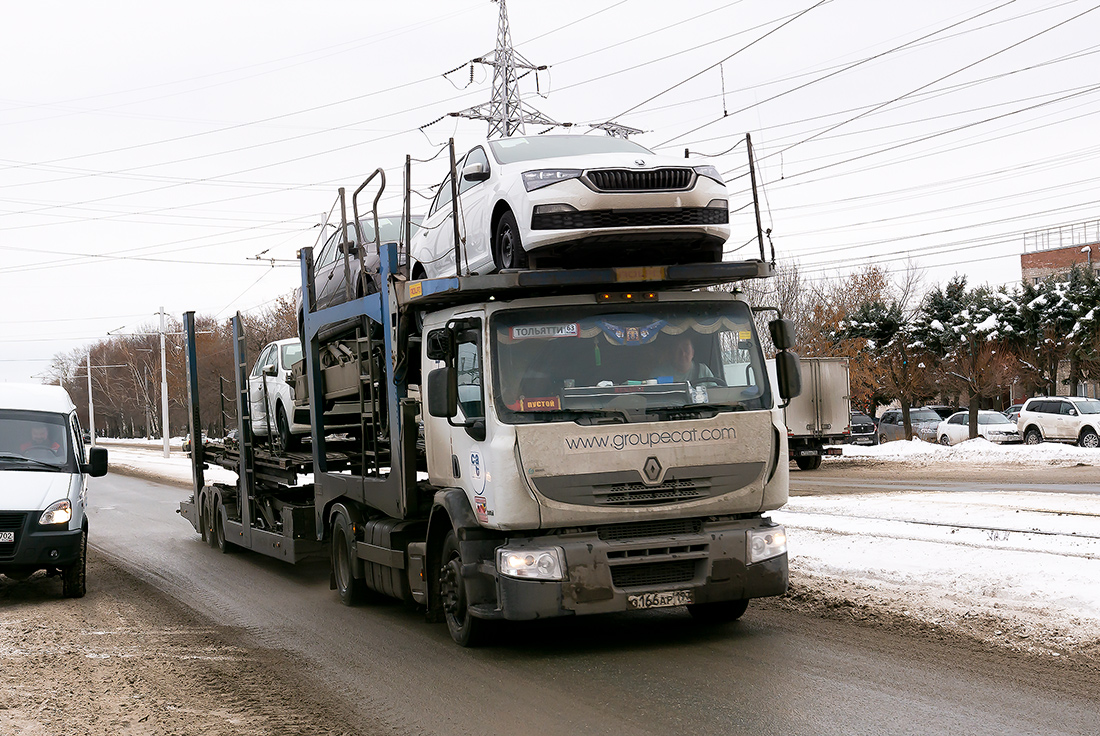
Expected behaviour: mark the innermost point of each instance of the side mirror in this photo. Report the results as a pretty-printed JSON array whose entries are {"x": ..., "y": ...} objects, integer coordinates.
[
  {"x": 788, "y": 371},
  {"x": 782, "y": 332},
  {"x": 442, "y": 393},
  {"x": 271, "y": 370},
  {"x": 475, "y": 172},
  {"x": 438, "y": 344},
  {"x": 476, "y": 429},
  {"x": 96, "y": 466}
]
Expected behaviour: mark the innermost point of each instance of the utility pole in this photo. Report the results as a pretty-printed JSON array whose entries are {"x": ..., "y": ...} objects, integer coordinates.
[
  {"x": 164, "y": 389},
  {"x": 91, "y": 405}
]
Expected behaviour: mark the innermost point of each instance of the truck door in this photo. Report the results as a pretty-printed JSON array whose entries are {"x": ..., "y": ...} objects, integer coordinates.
[{"x": 467, "y": 445}]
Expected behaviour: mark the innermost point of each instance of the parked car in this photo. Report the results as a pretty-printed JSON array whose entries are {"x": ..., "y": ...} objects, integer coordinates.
[
  {"x": 924, "y": 421},
  {"x": 1060, "y": 419},
  {"x": 1013, "y": 412},
  {"x": 943, "y": 410},
  {"x": 566, "y": 200},
  {"x": 862, "y": 430},
  {"x": 271, "y": 394},
  {"x": 44, "y": 471},
  {"x": 992, "y": 425}
]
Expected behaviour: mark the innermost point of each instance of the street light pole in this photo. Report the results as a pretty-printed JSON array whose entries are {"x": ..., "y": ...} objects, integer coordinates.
[{"x": 164, "y": 387}]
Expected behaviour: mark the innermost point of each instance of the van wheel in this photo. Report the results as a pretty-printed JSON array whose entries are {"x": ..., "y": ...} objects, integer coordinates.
[
  {"x": 466, "y": 630},
  {"x": 1032, "y": 436},
  {"x": 720, "y": 612},
  {"x": 1089, "y": 438},
  {"x": 351, "y": 589},
  {"x": 507, "y": 247},
  {"x": 74, "y": 578},
  {"x": 290, "y": 442}
]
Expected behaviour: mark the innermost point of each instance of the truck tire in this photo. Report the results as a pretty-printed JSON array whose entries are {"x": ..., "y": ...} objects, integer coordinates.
[
  {"x": 351, "y": 589},
  {"x": 721, "y": 612},
  {"x": 223, "y": 544},
  {"x": 466, "y": 630},
  {"x": 809, "y": 463},
  {"x": 74, "y": 577},
  {"x": 1032, "y": 436}
]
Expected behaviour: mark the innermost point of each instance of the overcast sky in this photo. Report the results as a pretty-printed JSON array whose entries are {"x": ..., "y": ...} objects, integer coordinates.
[{"x": 150, "y": 152}]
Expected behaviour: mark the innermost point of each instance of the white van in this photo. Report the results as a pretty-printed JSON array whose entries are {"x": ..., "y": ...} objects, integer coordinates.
[{"x": 43, "y": 485}]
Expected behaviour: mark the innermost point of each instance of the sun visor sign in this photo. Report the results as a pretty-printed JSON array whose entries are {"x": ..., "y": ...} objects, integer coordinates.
[
  {"x": 526, "y": 332},
  {"x": 547, "y": 403}
]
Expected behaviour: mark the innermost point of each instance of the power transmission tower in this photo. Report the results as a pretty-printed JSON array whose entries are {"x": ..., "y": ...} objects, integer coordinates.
[{"x": 506, "y": 113}]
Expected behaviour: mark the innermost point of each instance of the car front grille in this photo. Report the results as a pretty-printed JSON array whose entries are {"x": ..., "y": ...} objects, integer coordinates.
[
  {"x": 11, "y": 522},
  {"x": 599, "y": 219},
  {"x": 650, "y": 574},
  {"x": 656, "y": 180}
]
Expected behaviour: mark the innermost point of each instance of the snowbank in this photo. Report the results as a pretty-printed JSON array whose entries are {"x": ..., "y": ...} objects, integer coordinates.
[{"x": 979, "y": 452}]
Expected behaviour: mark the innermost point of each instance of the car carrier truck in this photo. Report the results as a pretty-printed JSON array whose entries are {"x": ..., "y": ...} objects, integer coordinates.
[{"x": 511, "y": 446}]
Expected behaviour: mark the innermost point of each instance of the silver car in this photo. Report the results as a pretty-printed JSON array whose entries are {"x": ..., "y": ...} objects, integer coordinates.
[{"x": 892, "y": 427}]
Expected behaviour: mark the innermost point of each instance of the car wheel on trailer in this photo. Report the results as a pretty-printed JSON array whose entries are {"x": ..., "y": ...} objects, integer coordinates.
[
  {"x": 350, "y": 588},
  {"x": 1089, "y": 438},
  {"x": 466, "y": 630},
  {"x": 809, "y": 463},
  {"x": 74, "y": 577},
  {"x": 945, "y": 440},
  {"x": 1032, "y": 436},
  {"x": 282, "y": 424},
  {"x": 507, "y": 246},
  {"x": 721, "y": 612}
]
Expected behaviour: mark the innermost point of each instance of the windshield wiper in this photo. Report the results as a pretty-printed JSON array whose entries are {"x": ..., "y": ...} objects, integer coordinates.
[
  {"x": 20, "y": 458},
  {"x": 577, "y": 414}
]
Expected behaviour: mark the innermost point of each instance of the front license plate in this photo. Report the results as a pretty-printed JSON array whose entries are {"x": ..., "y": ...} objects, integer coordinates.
[
  {"x": 660, "y": 600},
  {"x": 809, "y": 452},
  {"x": 7, "y": 536}
]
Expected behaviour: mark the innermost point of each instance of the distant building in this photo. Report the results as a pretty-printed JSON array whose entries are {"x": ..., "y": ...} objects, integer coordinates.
[{"x": 1055, "y": 251}]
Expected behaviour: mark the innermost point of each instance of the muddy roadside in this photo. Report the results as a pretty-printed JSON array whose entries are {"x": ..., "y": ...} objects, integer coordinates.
[{"x": 127, "y": 659}]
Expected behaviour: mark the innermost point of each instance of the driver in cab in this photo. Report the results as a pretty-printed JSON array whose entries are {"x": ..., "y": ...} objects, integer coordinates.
[
  {"x": 677, "y": 359},
  {"x": 40, "y": 440}
]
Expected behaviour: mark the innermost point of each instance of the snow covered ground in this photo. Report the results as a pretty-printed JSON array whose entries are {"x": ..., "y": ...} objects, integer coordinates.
[{"x": 1017, "y": 568}]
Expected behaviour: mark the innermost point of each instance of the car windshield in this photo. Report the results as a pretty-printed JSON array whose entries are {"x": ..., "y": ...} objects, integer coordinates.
[
  {"x": 292, "y": 353},
  {"x": 511, "y": 150},
  {"x": 1088, "y": 407},
  {"x": 923, "y": 415},
  {"x": 617, "y": 362},
  {"x": 994, "y": 418},
  {"x": 32, "y": 440}
]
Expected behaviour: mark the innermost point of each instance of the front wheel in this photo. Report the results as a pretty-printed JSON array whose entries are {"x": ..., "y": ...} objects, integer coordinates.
[
  {"x": 722, "y": 612},
  {"x": 1090, "y": 439},
  {"x": 466, "y": 630},
  {"x": 507, "y": 245},
  {"x": 1032, "y": 437},
  {"x": 74, "y": 578}
]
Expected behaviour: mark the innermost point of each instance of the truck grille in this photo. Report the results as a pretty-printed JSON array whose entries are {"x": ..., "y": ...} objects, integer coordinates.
[
  {"x": 639, "y": 494},
  {"x": 643, "y": 529},
  {"x": 650, "y": 574},
  {"x": 625, "y": 180},
  {"x": 10, "y": 522},
  {"x": 598, "y": 219}
]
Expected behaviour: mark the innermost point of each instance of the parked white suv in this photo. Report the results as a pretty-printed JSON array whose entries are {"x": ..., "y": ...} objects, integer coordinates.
[
  {"x": 1061, "y": 419},
  {"x": 43, "y": 485}
]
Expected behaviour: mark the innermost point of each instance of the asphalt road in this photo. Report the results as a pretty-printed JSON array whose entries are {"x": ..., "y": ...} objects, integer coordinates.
[{"x": 774, "y": 672}]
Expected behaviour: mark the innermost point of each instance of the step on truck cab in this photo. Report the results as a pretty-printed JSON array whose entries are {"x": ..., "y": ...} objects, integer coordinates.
[
  {"x": 593, "y": 440},
  {"x": 44, "y": 471}
]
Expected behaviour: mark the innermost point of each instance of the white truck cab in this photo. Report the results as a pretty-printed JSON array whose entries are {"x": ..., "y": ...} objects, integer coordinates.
[{"x": 44, "y": 468}]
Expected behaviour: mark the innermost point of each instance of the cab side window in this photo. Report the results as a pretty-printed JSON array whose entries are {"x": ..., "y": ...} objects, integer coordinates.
[
  {"x": 77, "y": 439},
  {"x": 468, "y": 366}
]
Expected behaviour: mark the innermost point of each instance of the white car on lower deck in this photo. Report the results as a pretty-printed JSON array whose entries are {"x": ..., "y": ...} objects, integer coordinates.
[{"x": 572, "y": 200}]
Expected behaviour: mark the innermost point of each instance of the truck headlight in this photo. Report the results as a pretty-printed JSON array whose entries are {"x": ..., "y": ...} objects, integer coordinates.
[
  {"x": 765, "y": 544},
  {"x": 530, "y": 564},
  {"x": 58, "y": 512}
]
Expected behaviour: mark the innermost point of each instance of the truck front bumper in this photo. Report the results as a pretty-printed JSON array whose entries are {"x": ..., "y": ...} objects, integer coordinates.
[
  {"x": 40, "y": 550},
  {"x": 605, "y": 575}
]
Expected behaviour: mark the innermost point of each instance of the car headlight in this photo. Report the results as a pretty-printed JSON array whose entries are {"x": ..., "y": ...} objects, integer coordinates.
[
  {"x": 530, "y": 564},
  {"x": 765, "y": 544},
  {"x": 58, "y": 512},
  {"x": 540, "y": 178},
  {"x": 710, "y": 172}
]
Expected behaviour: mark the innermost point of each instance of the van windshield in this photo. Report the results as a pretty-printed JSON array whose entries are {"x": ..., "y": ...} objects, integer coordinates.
[
  {"x": 33, "y": 440},
  {"x": 652, "y": 361}
]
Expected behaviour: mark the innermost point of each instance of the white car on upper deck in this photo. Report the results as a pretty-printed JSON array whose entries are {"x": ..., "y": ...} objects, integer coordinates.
[{"x": 572, "y": 200}]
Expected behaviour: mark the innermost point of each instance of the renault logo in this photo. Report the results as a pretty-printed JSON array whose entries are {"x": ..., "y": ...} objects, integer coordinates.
[{"x": 652, "y": 469}]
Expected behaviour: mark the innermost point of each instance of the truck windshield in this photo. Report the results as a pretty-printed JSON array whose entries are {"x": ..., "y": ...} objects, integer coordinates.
[
  {"x": 627, "y": 362},
  {"x": 32, "y": 440}
]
